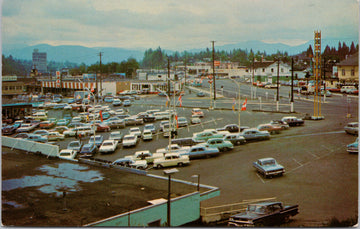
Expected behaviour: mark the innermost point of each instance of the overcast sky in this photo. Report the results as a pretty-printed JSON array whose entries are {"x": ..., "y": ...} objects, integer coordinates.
[{"x": 174, "y": 24}]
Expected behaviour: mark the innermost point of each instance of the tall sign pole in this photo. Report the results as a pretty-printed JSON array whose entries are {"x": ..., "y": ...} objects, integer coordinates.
[
  {"x": 317, "y": 75},
  {"x": 213, "y": 65}
]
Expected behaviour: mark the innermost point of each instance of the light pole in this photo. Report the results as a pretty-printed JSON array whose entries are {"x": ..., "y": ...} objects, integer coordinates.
[
  {"x": 169, "y": 172},
  {"x": 198, "y": 181}
]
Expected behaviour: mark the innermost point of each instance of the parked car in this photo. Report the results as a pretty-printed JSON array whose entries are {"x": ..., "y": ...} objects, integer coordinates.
[
  {"x": 162, "y": 124},
  {"x": 263, "y": 214},
  {"x": 185, "y": 141},
  {"x": 235, "y": 138},
  {"x": 353, "y": 147},
  {"x": 108, "y": 99},
  {"x": 171, "y": 159},
  {"x": 126, "y": 103},
  {"x": 150, "y": 127},
  {"x": 116, "y": 135},
  {"x": 88, "y": 150},
  {"x": 145, "y": 155},
  {"x": 128, "y": 162},
  {"x": 67, "y": 154},
  {"x": 253, "y": 134},
  {"x": 272, "y": 129},
  {"x": 147, "y": 135},
  {"x": 352, "y": 128},
  {"x": 232, "y": 128},
  {"x": 182, "y": 121},
  {"x": 268, "y": 167},
  {"x": 55, "y": 136},
  {"x": 130, "y": 121},
  {"x": 174, "y": 148},
  {"x": 108, "y": 146},
  {"x": 130, "y": 140},
  {"x": 102, "y": 127},
  {"x": 195, "y": 119},
  {"x": 115, "y": 122},
  {"x": 60, "y": 129},
  {"x": 116, "y": 102},
  {"x": 135, "y": 131},
  {"x": 197, "y": 111},
  {"x": 146, "y": 117},
  {"x": 219, "y": 143},
  {"x": 97, "y": 140},
  {"x": 25, "y": 127},
  {"x": 8, "y": 130},
  {"x": 63, "y": 122},
  {"x": 75, "y": 145},
  {"x": 201, "y": 151},
  {"x": 36, "y": 138},
  {"x": 282, "y": 124},
  {"x": 293, "y": 121},
  {"x": 47, "y": 124},
  {"x": 200, "y": 94},
  {"x": 22, "y": 135},
  {"x": 209, "y": 133}
]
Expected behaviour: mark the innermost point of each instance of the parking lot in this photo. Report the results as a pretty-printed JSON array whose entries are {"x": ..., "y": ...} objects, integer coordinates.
[{"x": 320, "y": 175}]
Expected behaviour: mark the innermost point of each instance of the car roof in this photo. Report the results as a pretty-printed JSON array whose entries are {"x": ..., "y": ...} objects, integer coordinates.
[{"x": 266, "y": 159}]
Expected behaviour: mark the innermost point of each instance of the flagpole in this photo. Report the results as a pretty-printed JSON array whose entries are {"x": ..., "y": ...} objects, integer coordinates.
[{"x": 239, "y": 104}]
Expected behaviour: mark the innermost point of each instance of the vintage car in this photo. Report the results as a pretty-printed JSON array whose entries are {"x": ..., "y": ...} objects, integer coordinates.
[
  {"x": 253, "y": 134},
  {"x": 60, "y": 129},
  {"x": 126, "y": 103},
  {"x": 353, "y": 147},
  {"x": 182, "y": 121},
  {"x": 108, "y": 146},
  {"x": 130, "y": 140},
  {"x": 47, "y": 124},
  {"x": 22, "y": 135},
  {"x": 185, "y": 141},
  {"x": 128, "y": 162},
  {"x": 63, "y": 122},
  {"x": 8, "y": 130},
  {"x": 135, "y": 131},
  {"x": 147, "y": 135},
  {"x": 174, "y": 148},
  {"x": 74, "y": 145},
  {"x": 195, "y": 119},
  {"x": 145, "y": 155},
  {"x": 97, "y": 140},
  {"x": 116, "y": 135},
  {"x": 102, "y": 127},
  {"x": 116, "y": 102},
  {"x": 268, "y": 167},
  {"x": 36, "y": 138},
  {"x": 218, "y": 143},
  {"x": 55, "y": 136},
  {"x": 197, "y": 111},
  {"x": 352, "y": 128},
  {"x": 235, "y": 138},
  {"x": 205, "y": 135},
  {"x": 280, "y": 123},
  {"x": 201, "y": 151},
  {"x": 25, "y": 127},
  {"x": 233, "y": 128},
  {"x": 293, "y": 121},
  {"x": 171, "y": 159},
  {"x": 146, "y": 117},
  {"x": 272, "y": 129},
  {"x": 263, "y": 214},
  {"x": 67, "y": 154},
  {"x": 115, "y": 122},
  {"x": 150, "y": 127},
  {"x": 130, "y": 121},
  {"x": 88, "y": 150}
]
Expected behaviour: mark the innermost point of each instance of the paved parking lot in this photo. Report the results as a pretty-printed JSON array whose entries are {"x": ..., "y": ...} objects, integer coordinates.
[{"x": 320, "y": 175}]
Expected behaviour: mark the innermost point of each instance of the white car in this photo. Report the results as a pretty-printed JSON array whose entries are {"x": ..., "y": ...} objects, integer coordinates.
[
  {"x": 135, "y": 131},
  {"x": 128, "y": 162},
  {"x": 108, "y": 146},
  {"x": 147, "y": 135},
  {"x": 150, "y": 127},
  {"x": 145, "y": 155},
  {"x": 171, "y": 159},
  {"x": 174, "y": 148},
  {"x": 116, "y": 135},
  {"x": 195, "y": 120},
  {"x": 67, "y": 154},
  {"x": 129, "y": 140},
  {"x": 55, "y": 136}
]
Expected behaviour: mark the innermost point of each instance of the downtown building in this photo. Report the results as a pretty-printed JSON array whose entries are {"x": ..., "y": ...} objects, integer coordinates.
[{"x": 39, "y": 61}]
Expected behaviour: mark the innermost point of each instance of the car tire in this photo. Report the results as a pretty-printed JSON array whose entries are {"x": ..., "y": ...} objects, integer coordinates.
[
  {"x": 159, "y": 166},
  {"x": 180, "y": 164}
]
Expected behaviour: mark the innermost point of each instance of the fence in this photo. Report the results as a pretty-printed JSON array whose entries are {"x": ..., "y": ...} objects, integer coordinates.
[{"x": 30, "y": 146}]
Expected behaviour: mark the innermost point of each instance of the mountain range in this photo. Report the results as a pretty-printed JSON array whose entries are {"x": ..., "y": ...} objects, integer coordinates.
[{"x": 87, "y": 55}]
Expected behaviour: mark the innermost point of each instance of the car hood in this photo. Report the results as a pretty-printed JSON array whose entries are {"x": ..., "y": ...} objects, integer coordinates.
[{"x": 246, "y": 216}]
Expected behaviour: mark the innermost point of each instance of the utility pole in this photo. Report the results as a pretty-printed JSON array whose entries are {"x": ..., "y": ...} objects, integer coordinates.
[
  {"x": 292, "y": 86},
  {"x": 168, "y": 87},
  {"x": 277, "y": 85},
  {"x": 100, "y": 54},
  {"x": 213, "y": 65}
]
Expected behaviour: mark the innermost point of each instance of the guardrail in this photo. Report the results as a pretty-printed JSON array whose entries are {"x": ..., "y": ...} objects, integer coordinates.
[{"x": 30, "y": 146}]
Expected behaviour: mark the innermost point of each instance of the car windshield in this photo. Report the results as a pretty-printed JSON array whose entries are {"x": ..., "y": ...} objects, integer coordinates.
[
  {"x": 65, "y": 154},
  {"x": 269, "y": 162},
  {"x": 107, "y": 144},
  {"x": 115, "y": 135},
  {"x": 98, "y": 138},
  {"x": 134, "y": 130},
  {"x": 256, "y": 208},
  {"x": 129, "y": 138}
]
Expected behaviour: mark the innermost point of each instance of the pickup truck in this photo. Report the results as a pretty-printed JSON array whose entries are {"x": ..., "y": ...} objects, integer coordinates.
[
  {"x": 263, "y": 214},
  {"x": 293, "y": 121},
  {"x": 174, "y": 148}
]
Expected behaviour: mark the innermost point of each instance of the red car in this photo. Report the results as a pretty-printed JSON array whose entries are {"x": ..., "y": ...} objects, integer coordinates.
[
  {"x": 47, "y": 124},
  {"x": 102, "y": 127}
]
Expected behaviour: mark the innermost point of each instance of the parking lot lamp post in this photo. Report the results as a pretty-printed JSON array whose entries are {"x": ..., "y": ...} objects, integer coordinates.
[{"x": 169, "y": 172}]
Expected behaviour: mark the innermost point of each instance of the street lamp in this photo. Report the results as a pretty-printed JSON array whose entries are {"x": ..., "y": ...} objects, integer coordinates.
[{"x": 169, "y": 172}]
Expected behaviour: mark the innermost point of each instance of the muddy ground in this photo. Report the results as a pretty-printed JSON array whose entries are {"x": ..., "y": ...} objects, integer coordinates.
[{"x": 117, "y": 193}]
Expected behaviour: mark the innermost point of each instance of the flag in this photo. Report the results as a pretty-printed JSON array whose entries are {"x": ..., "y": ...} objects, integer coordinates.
[
  {"x": 234, "y": 103},
  {"x": 92, "y": 88},
  {"x": 177, "y": 124},
  {"x": 167, "y": 101},
  {"x": 180, "y": 100},
  {"x": 89, "y": 97},
  {"x": 101, "y": 117},
  {"x": 243, "y": 108}
]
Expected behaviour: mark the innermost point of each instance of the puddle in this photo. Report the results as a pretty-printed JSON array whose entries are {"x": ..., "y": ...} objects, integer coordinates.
[{"x": 60, "y": 177}]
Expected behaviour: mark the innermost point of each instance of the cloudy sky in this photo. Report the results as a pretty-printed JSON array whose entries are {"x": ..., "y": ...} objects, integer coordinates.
[{"x": 174, "y": 24}]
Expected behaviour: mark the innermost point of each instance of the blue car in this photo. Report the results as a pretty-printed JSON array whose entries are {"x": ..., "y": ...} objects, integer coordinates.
[
  {"x": 98, "y": 140},
  {"x": 108, "y": 99},
  {"x": 268, "y": 167},
  {"x": 201, "y": 151},
  {"x": 353, "y": 147},
  {"x": 126, "y": 103},
  {"x": 63, "y": 122},
  {"x": 36, "y": 138},
  {"x": 88, "y": 150}
]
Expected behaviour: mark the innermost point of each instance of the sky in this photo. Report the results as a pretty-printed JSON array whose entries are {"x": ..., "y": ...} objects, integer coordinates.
[{"x": 174, "y": 24}]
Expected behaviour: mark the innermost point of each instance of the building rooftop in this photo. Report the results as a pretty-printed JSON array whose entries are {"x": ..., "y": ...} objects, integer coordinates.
[{"x": 352, "y": 60}]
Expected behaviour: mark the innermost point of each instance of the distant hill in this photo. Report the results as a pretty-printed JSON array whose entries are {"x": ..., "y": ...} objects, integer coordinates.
[
  {"x": 89, "y": 56},
  {"x": 76, "y": 54}
]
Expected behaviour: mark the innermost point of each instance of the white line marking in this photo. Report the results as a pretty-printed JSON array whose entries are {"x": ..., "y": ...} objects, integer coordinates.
[
  {"x": 317, "y": 157},
  {"x": 260, "y": 178},
  {"x": 297, "y": 162}
]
